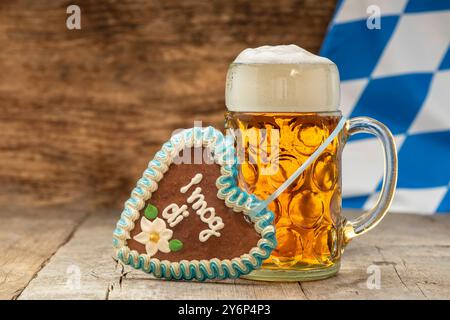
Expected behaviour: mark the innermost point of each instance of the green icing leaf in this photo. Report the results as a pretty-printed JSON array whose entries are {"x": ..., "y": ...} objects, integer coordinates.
[
  {"x": 151, "y": 212},
  {"x": 175, "y": 245}
]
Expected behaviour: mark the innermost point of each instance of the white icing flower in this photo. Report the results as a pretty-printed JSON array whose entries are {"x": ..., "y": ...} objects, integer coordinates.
[{"x": 154, "y": 236}]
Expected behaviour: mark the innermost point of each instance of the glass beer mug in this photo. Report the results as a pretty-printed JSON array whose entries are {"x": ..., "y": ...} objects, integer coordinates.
[{"x": 283, "y": 102}]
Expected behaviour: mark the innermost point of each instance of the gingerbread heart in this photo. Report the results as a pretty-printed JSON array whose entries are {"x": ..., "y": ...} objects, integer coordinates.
[{"x": 188, "y": 219}]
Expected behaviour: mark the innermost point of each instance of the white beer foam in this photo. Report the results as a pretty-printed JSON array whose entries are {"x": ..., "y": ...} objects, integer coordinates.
[
  {"x": 283, "y": 78},
  {"x": 281, "y": 54}
]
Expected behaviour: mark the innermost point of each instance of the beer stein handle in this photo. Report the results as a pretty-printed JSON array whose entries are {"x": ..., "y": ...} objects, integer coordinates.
[{"x": 372, "y": 217}]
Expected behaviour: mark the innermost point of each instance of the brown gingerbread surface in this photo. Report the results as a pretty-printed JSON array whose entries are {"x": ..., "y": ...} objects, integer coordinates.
[{"x": 237, "y": 236}]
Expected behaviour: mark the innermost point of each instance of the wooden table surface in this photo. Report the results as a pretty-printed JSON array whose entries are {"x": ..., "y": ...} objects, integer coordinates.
[{"x": 64, "y": 253}]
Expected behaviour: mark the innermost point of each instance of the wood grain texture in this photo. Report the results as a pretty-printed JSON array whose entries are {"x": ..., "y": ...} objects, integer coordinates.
[
  {"x": 28, "y": 238},
  {"x": 82, "y": 111},
  {"x": 410, "y": 252}
]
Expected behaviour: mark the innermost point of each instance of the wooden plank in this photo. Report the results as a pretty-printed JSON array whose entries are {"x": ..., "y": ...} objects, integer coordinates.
[
  {"x": 89, "y": 252},
  {"x": 234, "y": 290},
  {"x": 415, "y": 274},
  {"x": 82, "y": 111},
  {"x": 146, "y": 287},
  {"x": 83, "y": 268},
  {"x": 409, "y": 252},
  {"x": 28, "y": 238}
]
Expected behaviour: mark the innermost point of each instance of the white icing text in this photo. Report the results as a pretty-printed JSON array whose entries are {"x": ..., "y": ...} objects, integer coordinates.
[{"x": 175, "y": 214}]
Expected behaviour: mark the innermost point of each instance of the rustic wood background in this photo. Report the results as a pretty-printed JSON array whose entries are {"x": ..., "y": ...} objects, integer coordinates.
[{"x": 82, "y": 111}]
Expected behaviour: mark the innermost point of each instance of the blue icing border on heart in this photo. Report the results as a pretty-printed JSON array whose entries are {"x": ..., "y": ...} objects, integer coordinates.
[{"x": 228, "y": 190}]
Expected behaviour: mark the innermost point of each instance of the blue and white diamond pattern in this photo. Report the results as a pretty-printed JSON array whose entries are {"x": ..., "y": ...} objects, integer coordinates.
[{"x": 398, "y": 74}]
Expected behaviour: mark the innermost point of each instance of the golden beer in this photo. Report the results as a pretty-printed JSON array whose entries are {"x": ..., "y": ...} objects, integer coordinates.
[
  {"x": 307, "y": 214},
  {"x": 283, "y": 103}
]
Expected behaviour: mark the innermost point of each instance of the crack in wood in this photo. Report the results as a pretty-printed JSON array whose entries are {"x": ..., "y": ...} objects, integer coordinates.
[
  {"x": 109, "y": 288},
  {"x": 303, "y": 290},
  {"x": 394, "y": 266},
  {"x": 420, "y": 289},
  {"x": 399, "y": 277},
  {"x": 384, "y": 263}
]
